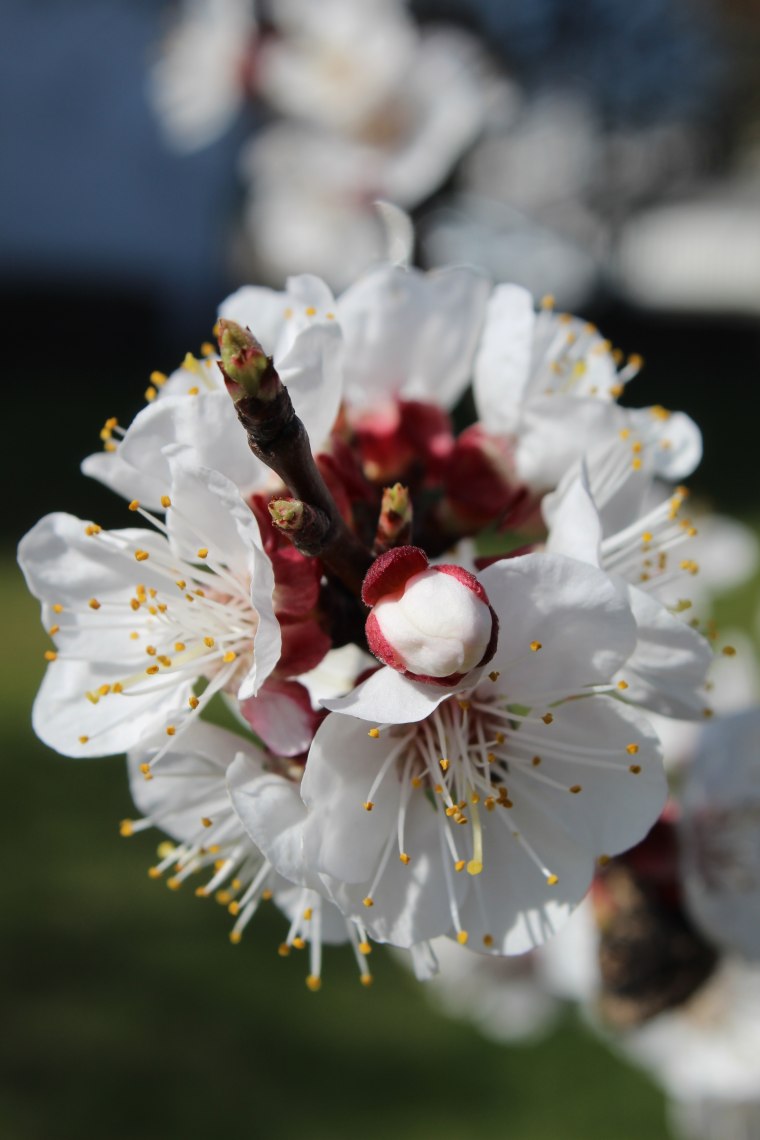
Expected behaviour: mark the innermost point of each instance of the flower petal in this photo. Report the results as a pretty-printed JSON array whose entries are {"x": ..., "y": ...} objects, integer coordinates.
[{"x": 571, "y": 611}]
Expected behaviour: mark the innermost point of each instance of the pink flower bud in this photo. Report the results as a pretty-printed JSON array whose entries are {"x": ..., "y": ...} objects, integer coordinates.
[{"x": 432, "y": 623}]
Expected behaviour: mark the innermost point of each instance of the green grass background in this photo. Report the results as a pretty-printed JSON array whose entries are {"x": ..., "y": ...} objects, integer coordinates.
[{"x": 126, "y": 1013}]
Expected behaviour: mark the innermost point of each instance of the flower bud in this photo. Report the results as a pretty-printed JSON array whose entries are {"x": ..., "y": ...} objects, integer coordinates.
[
  {"x": 246, "y": 368},
  {"x": 432, "y": 623}
]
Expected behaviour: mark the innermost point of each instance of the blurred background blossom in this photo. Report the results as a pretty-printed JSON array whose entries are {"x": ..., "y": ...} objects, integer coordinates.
[{"x": 156, "y": 157}]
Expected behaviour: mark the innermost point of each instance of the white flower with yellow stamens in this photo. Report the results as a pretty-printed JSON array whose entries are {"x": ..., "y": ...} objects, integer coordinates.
[
  {"x": 667, "y": 671},
  {"x": 550, "y": 382},
  {"x": 477, "y": 812},
  {"x": 189, "y": 799},
  {"x": 140, "y": 617}
]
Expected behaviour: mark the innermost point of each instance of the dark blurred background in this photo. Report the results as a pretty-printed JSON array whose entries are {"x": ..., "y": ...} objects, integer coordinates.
[{"x": 127, "y": 1014}]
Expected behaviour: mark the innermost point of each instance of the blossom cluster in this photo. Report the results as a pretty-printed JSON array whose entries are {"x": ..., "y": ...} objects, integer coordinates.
[{"x": 443, "y": 647}]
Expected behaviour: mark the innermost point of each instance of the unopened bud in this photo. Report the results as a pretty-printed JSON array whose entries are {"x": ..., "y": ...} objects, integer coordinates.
[
  {"x": 246, "y": 368},
  {"x": 395, "y": 523},
  {"x": 432, "y": 623},
  {"x": 287, "y": 514}
]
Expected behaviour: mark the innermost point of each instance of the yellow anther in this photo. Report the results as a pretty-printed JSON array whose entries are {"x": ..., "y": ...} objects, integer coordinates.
[
  {"x": 728, "y": 651},
  {"x": 150, "y": 393},
  {"x": 536, "y": 761},
  {"x": 207, "y": 349},
  {"x": 491, "y": 757},
  {"x": 634, "y": 769},
  {"x": 181, "y": 583},
  {"x": 708, "y": 713},
  {"x": 368, "y": 901},
  {"x": 209, "y": 642},
  {"x": 57, "y": 608},
  {"x": 151, "y": 650},
  {"x": 134, "y": 505},
  {"x": 616, "y": 390},
  {"x": 203, "y": 552},
  {"x": 552, "y": 880},
  {"x": 416, "y": 782},
  {"x": 93, "y": 698},
  {"x": 158, "y": 378},
  {"x": 229, "y": 656},
  {"x": 126, "y": 828},
  {"x": 141, "y": 555},
  {"x": 152, "y": 670},
  {"x": 174, "y": 884},
  {"x": 50, "y": 655},
  {"x": 313, "y": 983},
  {"x": 193, "y": 391},
  {"x": 307, "y": 914},
  {"x": 631, "y": 749},
  {"x": 193, "y": 702},
  {"x": 283, "y": 950},
  {"x": 109, "y": 445},
  {"x": 459, "y": 865},
  {"x": 83, "y": 739},
  {"x": 154, "y": 873},
  {"x": 365, "y": 948},
  {"x": 117, "y": 687},
  {"x": 575, "y": 789},
  {"x": 206, "y": 821},
  {"x": 165, "y": 502},
  {"x": 500, "y": 738},
  {"x": 636, "y": 447},
  {"x": 603, "y": 860},
  {"x": 636, "y": 464},
  {"x": 462, "y": 937},
  {"x": 474, "y": 867},
  {"x": 547, "y": 718},
  {"x": 535, "y": 646},
  {"x": 464, "y": 705},
  {"x": 299, "y": 943},
  {"x": 311, "y": 311},
  {"x": 234, "y": 909},
  {"x": 201, "y": 893},
  {"x": 547, "y": 301},
  {"x": 622, "y": 685},
  {"x": 94, "y": 604},
  {"x": 170, "y": 729},
  {"x": 287, "y": 313},
  {"x": 368, "y": 805},
  {"x": 236, "y": 937},
  {"x": 646, "y": 536},
  {"x": 637, "y": 361},
  {"x": 488, "y": 940},
  {"x": 266, "y": 895},
  {"x": 405, "y": 859},
  {"x": 374, "y": 733},
  {"x": 443, "y": 764},
  {"x": 104, "y": 690},
  {"x": 624, "y": 433},
  {"x": 92, "y": 528},
  {"x": 365, "y": 979},
  {"x": 494, "y": 675}
]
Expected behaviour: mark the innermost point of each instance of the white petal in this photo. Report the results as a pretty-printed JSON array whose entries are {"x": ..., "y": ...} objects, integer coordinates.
[
  {"x": 389, "y": 698},
  {"x": 273, "y": 815},
  {"x": 342, "y": 838},
  {"x": 67, "y": 721},
  {"x": 502, "y": 367},
  {"x": 189, "y": 782},
  {"x": 668, "y": 668},
  {"x": 510, "y": 904},
  {"x": 410, "y": 334},
  {"x": 572, "y": 610},
  {"x": 410, "y": 902},
  {"x": 587, "y": 746},
  {"x": 573, "y": 520}
]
